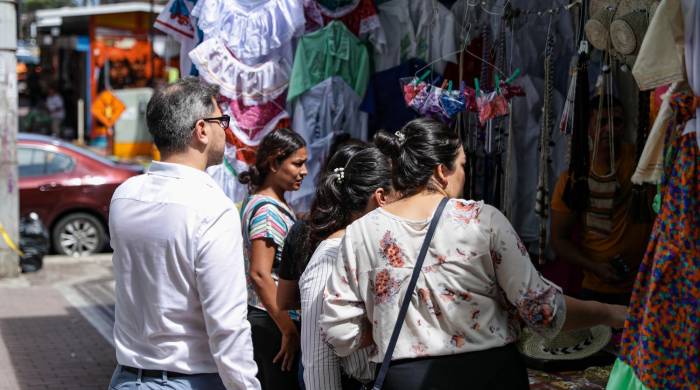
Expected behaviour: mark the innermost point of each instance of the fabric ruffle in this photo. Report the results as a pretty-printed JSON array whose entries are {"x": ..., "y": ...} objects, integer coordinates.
[
  {"x": 251, "y": 32},
  {"x": 252, "y": 84}
]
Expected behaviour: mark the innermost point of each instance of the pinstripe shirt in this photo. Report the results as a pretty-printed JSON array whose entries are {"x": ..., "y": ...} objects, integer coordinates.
[{"x": 322, "y": 367}]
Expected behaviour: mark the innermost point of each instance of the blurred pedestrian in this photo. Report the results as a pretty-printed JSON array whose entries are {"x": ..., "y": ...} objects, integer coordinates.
[
  {"x": 54, "y": 103},
  {"x": 181, "y": 303}
]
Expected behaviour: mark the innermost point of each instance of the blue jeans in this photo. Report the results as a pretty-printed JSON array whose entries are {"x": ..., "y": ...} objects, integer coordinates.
[{"x": 125, "y": 380}]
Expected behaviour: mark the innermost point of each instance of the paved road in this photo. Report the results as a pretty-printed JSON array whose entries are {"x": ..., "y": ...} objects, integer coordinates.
[{"x": 55, "y": 326}]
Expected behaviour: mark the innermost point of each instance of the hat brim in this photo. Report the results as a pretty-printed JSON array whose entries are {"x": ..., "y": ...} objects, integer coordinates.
[{"x": 533, "y": 346}]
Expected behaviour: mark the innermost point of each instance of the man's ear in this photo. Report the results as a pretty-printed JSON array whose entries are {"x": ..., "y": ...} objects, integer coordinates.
[{"x": 201, "y": 132}]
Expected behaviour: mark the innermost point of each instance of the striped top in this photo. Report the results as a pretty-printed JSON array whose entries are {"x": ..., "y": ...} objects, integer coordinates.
[
  {"x": 272, "y": 221},
  {"x": 322, "y": 366}
]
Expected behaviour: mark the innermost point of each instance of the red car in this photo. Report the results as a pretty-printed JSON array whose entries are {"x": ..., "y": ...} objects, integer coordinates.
[{"x": 70, "y": 188}]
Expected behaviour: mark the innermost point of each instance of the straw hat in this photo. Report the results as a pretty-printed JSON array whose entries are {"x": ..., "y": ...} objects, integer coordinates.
[
  {"x": 619, "y": 26},
  {"x": 573, "y": 345}
]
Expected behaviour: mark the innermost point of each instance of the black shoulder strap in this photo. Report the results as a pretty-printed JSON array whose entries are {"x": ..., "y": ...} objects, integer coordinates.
[{"x": 407, "y": 298}]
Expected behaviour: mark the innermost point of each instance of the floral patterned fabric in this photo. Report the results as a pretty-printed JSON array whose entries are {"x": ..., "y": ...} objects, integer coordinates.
[
  {"x": 661, "y": 340},
  {"x": 476, "y": 284}
]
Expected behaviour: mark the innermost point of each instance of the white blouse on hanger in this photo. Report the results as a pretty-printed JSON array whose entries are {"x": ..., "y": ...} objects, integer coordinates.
[
  {"x": 252, "y": 84},
  {"x": 252, "y": 29}
]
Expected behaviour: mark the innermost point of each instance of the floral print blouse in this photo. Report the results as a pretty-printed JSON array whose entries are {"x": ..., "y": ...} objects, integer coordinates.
[{"x": 476, "y": 285}]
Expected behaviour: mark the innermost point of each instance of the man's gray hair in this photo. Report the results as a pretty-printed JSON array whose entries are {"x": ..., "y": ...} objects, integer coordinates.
[{"x": 173, "y": 111}]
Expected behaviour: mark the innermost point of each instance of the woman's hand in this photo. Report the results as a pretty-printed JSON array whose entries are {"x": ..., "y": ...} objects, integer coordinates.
[{"x": 290, "y": 346}]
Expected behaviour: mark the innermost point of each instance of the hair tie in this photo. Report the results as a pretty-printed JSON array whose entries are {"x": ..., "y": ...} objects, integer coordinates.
[
  {"x": 401, "y": 137},
  {"x": 341, "y": 174}
]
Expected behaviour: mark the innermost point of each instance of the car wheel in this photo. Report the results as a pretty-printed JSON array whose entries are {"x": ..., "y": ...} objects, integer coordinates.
[{"x": 78, "y": 234}]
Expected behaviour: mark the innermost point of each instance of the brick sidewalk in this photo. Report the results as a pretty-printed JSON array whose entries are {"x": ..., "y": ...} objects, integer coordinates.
[{"x": 45, "y": 343}]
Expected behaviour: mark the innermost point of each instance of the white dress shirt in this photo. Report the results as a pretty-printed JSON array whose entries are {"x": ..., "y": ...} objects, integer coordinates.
[
  {"x": 181, "y": 301},
  {"x": 321, "y": 365}
]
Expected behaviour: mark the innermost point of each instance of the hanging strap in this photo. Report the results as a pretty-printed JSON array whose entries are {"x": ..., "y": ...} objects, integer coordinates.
[{"x": 407, "y": 298}]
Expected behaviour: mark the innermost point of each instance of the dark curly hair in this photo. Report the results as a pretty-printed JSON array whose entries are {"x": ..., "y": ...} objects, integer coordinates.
[
  {"x": 276, "y": 146},
  {"x": 422, "y": 145}
]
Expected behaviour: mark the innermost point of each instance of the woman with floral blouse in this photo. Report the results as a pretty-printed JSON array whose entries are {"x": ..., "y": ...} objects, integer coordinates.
[{"x": 476, "y": 286}]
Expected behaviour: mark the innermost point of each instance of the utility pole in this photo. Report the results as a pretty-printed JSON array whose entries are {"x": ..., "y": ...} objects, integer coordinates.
[{"x": 9, "y": 191}]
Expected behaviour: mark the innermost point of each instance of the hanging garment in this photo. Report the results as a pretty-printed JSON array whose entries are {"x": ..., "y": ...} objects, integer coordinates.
[
  {"x": 252, "y": 84},
  {"x": 661, "y": 341},
  {"x": 331, "y": 51},
  {"x": 335, "y": 5},
  {"x": 177, "y": 21},
  {"x": 226, "y": 175},
  {"x": 360, "y": 16},
  {"x": 416, "y": 29},
  {"x": 663, "y": 39},
  {"x": 313, "y": 15},
  {"x": 317, "y": 155},
  {"x": 326, "y": 110},
  {"x": 252, "y": 29},
  {"x": 251, "y": 124},
  {"x": 470, "y": 21},
  {"x": 385, "y": 98},
  {"x": 331, "y": 106},
  {"x": 691, "y": 16}
]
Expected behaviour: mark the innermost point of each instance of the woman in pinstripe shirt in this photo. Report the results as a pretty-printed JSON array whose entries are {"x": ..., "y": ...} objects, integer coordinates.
[{"x": 357, "y": 180}]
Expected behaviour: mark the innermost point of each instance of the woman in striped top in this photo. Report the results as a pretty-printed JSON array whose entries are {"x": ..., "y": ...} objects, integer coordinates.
[
  {"x": 280, "y": 166},
  {"x": 357, "y": 180}
]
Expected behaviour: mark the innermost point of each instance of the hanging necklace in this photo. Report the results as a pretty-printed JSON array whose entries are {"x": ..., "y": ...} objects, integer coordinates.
[
  {"x": 542, "y": 198},
  {"x": 605, "y": 106}
]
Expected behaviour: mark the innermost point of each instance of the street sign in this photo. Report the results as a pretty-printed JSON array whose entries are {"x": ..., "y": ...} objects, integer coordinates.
[{"x": 107, "y": 108}]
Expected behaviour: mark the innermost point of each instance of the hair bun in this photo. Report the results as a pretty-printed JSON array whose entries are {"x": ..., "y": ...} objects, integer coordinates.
[{"x": 389, "y": 144}]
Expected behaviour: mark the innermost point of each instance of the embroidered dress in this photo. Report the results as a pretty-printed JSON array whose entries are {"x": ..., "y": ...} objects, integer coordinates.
[
  {"x": 252, "y": 123},
  {"x": 252, "y": 84},
  {"x": 322, "y": 367},
  {"x": 270, "y": 222},
  {"x": 661, "y": 340},
  {"x": 251, "y": 29},
  {"x": 177, "y": 21},
  {"x": 360, "y": 17},
  {"x": 331, "y": 51},
  {"x": 477, "y": 280}
]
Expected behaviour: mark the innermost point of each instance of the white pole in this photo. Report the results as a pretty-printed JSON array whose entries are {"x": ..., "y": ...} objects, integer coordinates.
[
  {"x": 9, "y": 200},
  {"x": 81, "y": 122}
]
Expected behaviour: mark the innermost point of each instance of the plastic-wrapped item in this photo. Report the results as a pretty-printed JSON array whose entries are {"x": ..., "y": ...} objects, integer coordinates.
[
  {"x": 452, "y": 103},
  {"x": 491, "y": 105},
  {"x": 33, "y": 241}
]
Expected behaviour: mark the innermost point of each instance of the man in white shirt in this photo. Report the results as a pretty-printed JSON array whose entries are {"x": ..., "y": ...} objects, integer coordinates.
[{"x": 181, "y": 301}]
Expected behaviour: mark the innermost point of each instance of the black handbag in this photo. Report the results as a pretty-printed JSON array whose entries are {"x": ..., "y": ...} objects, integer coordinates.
[{"x": 381, "y": 376}]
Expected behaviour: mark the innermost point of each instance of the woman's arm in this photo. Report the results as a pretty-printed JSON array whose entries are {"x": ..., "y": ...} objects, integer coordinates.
[{"x": 585, "y": 314}]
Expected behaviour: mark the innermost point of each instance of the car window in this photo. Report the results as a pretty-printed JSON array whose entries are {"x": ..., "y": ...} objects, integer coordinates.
[{"x": 37, "y": 162}]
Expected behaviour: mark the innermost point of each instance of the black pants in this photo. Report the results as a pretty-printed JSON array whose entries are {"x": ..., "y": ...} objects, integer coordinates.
[
  {"x": 267, "y": 341},
  {"x": 494, "y": 369}
]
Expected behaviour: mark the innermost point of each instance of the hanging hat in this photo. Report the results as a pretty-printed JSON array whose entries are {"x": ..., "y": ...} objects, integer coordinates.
[
  {"x": 598, "y": 27},
  {"x": 627, "y": 31},
  {"x": 573, "y": 345}
]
